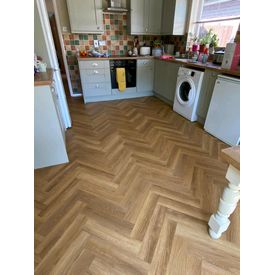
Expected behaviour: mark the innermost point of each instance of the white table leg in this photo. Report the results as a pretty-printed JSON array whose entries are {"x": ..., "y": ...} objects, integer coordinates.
[{"x": 219, "y": 221}]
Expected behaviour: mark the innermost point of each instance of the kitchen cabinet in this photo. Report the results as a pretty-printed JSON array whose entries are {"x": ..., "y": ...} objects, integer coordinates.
[
  {"x": 145, "y": 75},
  {"x": 174, "y": 17},
  {"x": 165, "y": 80},
  {"x": 95, "y": 79},
  {"x": 207, "y": 88},
  {"x": 145, "y": 17},
  {"x": 49, "y": 132},
  {"x": 86, "y": 16}
]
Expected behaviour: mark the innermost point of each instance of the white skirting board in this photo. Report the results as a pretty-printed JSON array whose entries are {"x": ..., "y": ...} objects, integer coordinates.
[{"x": 117, "y": 96}]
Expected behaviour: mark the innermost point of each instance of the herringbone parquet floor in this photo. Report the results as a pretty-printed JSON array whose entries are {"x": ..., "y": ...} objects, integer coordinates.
[{"x": 135, "y": 198}]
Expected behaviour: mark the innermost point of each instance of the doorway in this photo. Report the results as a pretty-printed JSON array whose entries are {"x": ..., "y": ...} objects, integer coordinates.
[{"x": 58, "y": 43}]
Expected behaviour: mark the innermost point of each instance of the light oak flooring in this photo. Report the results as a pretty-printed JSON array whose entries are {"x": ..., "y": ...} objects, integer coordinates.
[{"x": 136, "y": 196}]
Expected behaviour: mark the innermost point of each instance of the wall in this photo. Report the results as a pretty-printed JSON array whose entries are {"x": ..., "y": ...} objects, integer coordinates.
[
  {"x": 39, "y": 41},
  {"x": 49, "y": 5}
]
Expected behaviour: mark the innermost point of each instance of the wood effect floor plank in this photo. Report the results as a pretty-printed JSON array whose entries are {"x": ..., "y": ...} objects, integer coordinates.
[
  {"x": 136, "y": 196},
  {"x": 57, "y": 251},
  {"x": 71, "y": 254}
]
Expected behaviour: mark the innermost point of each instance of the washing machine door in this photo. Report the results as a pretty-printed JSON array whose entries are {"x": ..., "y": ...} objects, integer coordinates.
[{"x": 186, "y": 91}]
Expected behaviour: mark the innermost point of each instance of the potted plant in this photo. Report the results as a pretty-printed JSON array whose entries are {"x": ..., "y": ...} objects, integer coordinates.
[
  {"x": 213, "y": 43},
  {"x": 209, "y": 40}
]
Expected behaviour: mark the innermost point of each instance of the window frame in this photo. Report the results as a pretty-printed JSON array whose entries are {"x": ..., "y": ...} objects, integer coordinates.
[{"x": 194, "y": 23}]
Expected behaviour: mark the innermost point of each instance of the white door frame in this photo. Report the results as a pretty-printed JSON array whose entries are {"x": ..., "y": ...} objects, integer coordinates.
[
  {"x": 56, "y": 14},
  {"x": 42, "y": 10}
]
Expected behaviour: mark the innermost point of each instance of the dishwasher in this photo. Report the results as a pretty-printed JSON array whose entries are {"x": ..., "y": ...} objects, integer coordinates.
[{"x": 223, "y": 116}]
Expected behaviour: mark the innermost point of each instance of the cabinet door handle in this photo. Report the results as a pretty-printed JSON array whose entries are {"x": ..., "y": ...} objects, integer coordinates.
[
  {"x": 95, "y": 71},
  {"x": 97, "y": 86},
  {"x": 94, "y": 64}
]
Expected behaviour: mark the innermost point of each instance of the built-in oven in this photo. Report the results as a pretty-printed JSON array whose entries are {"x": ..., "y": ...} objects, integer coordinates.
[{"x": 130, "y": 66}]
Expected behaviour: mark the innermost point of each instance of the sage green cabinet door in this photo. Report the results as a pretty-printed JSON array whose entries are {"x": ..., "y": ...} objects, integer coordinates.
[
  {"x": 174, "y": 17},
  {"x": 207, "y": 88},
  {"x": 145, "y": 75},
  {"x": 160, "y": 78},
  {"x": 85, "y": 16},
  {"x": 172, "y": 75},
  {"x": 138, "y": 17},
  {"x": 146, "y": 16},
  {"x": 155, "y": 15},
  {"x": 166, "y": 74},
  {"x": 168, "y": 16}
]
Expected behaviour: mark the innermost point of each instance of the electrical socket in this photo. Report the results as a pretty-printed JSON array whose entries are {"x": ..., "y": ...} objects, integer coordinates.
[
  {"x": 64, "y": 29},
  {"x": 102, "y": 43},
  {"x": 96, "y": 43}
]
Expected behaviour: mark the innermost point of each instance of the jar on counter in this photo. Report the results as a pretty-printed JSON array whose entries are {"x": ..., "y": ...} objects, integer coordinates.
[
  {"x": 204, "y": 58},
  {"x": 157, "y": 52}
]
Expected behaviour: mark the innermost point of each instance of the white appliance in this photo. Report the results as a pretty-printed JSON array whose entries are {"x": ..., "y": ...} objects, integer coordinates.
[
  {"x": 145, "y": 50},
  {"x": 47, "y": 40},
  {"x": 169, "y": 48},
  {"x": 188, "y": 92},
  {"x": 228, "y": 55},
  {"x": 223, "y": 117}
]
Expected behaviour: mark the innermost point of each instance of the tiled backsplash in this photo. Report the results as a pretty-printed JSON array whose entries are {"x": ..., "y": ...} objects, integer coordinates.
[{"x": 118, "y": 42}]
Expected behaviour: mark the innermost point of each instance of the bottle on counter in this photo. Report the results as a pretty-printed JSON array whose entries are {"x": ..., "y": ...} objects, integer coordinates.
[
  {"x": 205, "y": 55},
  {"x": 77, "y": 52}
]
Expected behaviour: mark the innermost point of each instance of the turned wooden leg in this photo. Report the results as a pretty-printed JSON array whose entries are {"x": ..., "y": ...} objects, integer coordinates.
[{"x": 219, "y": 221}]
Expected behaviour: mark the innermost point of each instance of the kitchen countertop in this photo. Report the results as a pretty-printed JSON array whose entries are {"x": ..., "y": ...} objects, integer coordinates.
[
  {"x": 185, "y": 62},
  {"x": 208, "y": 65},
  {"x": 232, "y": 156},
  {"x": 46, "y": 78},
  {"x": 115, "y": 57}
]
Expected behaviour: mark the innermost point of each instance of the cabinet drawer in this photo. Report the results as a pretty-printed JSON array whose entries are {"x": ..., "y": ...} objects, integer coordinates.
[
  {"x": 145, "y": 63},
  {"x": 96, "y": 89},
  {"x": 96, "y": 75},
  {"x": 94, "y": 64},
  {"x": 94, "y": 72}
]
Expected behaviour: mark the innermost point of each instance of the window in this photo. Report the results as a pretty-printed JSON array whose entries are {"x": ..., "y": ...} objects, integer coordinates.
[{"x": 222, "y": 16}]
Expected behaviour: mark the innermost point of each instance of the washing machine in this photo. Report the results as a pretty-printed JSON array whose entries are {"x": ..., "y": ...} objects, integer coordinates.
[{"x": 187, "y": 92}]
